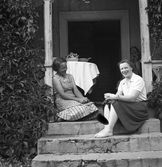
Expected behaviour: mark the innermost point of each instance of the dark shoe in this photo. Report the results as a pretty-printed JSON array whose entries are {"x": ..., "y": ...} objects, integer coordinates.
[{"x": 100, "y": 118}]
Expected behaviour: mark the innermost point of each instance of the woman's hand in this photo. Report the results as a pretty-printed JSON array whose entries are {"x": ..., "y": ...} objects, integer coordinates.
[
  {"x": 83, "y": 100},
  {"x": 110, "y": 96}
]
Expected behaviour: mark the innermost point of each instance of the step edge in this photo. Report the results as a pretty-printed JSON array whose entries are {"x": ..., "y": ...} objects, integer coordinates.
[
  {"x": 92, "y": 137},
  {"x": 98, "y": 156}
]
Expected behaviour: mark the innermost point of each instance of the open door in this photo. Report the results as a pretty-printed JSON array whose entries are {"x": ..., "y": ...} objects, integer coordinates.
[
  {"x": 99, "y": 40},
  {"x": 101, "y": 35}
]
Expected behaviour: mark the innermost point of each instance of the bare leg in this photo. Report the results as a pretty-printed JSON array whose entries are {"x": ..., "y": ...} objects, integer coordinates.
[
  {"x": 108, "y": 130},
  {"x": 113, "y": 118},
  {"x": 106, "y": 112},
  {"x": 106, "y": 115}
]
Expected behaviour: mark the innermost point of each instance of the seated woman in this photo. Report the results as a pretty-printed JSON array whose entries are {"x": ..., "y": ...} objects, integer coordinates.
[
  {"x": 70, "y": 102},
  {"x": 128, "y": 104}
]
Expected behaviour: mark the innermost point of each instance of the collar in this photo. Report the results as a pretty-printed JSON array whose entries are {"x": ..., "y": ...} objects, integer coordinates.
[{"x": 131, "y": 80}]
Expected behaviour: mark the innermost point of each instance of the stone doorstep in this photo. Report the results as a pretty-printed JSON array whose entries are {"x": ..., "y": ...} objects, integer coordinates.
[
  {"x": 82, "y": 144},
  {"x": 127, "y": 159},
  {"x": 92, "y": 127},
  {"x": 74, "y": 128}
]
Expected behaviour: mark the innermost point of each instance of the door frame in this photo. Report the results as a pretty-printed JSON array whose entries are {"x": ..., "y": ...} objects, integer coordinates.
[{"x": 122, "y": 15}]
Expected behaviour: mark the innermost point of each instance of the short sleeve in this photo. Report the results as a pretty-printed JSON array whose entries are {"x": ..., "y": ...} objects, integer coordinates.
[{"x": 139, "y": 84}]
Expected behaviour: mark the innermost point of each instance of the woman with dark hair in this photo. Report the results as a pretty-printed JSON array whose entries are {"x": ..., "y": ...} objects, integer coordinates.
[
  {"x": 70, "y": 102},
  {"x": 128, "y": 104}
]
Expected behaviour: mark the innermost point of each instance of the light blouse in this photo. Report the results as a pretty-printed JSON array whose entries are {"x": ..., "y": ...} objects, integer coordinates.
[{"x": 136, "y": 83}]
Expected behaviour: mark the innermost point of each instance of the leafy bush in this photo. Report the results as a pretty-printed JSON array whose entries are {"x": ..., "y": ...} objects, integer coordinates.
[
  {"x": 24, "y": 104},
  {"x": 155, "y": 99},
  {"x": 154, "y": 10},
  {"x": 15, "y": 163}
]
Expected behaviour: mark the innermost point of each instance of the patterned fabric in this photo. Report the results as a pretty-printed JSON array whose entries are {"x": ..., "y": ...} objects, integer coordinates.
[{"x": 70, "y": 109}]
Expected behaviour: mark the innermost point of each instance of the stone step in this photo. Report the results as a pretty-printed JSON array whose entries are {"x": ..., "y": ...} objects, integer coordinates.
[
  {"x": 127, "y": 159},
  {"x": 81, "y": 144},
  {"x": 92, "y": 127}
]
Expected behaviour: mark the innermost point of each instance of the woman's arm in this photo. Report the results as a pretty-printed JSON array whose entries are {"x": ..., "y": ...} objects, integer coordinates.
[
  {"x": 128, "y": 98},
  {"x": 77, "y": 92},
  {"x": 121, "y": 97}
]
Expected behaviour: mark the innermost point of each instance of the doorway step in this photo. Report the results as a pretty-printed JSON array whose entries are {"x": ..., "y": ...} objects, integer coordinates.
[{"x": 72, "y": 144}]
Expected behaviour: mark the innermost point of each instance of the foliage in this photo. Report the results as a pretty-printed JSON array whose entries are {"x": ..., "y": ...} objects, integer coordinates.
[
  {"x": 24, "y": 104},
  {"x": 155, "y": 99},
  {"x": 154, "y": 10},
  {"x": 15, "y": 163}
]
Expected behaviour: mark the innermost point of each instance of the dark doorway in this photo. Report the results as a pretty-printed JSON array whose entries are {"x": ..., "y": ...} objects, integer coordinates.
[{"x": 101, "y": 41}]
